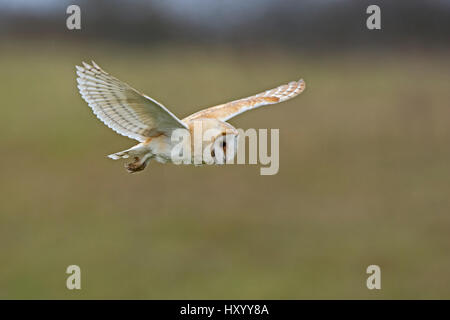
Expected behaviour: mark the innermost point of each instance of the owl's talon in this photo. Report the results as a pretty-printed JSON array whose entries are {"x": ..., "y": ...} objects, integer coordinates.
[{"x": 136, "y": 166}]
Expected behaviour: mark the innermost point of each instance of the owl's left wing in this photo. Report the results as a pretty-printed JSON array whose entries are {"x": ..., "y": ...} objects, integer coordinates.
[{"x": 229, "y": 110}]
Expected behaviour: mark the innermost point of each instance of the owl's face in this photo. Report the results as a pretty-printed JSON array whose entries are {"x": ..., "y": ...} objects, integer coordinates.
[
  {"x": 224, "y": 147},
  {"x": 219, "y": 140}
]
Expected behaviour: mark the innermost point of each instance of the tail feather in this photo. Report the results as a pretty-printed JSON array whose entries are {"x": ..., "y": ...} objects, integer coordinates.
[
  {"x": 136, "y": 151},
  {"x": 119, "y": 155}
]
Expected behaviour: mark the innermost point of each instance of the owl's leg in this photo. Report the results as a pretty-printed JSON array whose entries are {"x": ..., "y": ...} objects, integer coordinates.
[{"x": 139, "y": 163}]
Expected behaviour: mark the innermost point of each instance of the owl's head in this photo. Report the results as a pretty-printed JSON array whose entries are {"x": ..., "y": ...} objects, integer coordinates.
[
  {"x": 219, "y": 141},
  {"x": 224, "y": 147}
]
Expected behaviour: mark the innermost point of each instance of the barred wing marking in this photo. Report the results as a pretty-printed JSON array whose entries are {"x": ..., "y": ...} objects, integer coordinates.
[
  {"x": 122, "y": 108},
  {"x": 229, "y": 110}
]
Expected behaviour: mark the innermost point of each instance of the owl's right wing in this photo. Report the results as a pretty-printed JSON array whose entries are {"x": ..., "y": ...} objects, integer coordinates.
[
  {"x": 226, "y": 111},
  {"x": 122, "y": 108}
]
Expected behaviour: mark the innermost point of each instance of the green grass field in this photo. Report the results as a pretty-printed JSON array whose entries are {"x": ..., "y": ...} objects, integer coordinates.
[{"x": 364, "y": 179}]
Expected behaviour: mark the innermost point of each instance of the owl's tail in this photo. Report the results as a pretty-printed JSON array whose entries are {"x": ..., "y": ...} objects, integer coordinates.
[
  {"x": 136, "y": 151},
  {"x": 120, "y": 155}
]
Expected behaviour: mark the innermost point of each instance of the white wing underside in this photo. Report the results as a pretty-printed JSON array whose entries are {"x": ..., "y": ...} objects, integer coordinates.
[{"x": 123, "y": 108}]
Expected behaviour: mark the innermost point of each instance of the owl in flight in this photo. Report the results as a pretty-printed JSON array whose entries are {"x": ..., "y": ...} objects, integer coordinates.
[{"x": 137, "y": 116}]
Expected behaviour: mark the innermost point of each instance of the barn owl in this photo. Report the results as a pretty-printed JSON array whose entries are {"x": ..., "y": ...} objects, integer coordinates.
[{"x": 137, "y": 116}]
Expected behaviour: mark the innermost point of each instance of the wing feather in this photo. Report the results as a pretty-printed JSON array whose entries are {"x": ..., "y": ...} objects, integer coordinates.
[
  {"x": 229, "y": 110},
  {"x": 122, "y": 108}
]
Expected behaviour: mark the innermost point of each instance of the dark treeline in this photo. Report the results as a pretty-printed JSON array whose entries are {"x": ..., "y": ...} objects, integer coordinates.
[{"x": 309, "y": 24}]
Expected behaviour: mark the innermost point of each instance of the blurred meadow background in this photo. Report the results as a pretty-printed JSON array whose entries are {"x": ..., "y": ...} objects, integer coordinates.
[{"x": 364, "y": 153}]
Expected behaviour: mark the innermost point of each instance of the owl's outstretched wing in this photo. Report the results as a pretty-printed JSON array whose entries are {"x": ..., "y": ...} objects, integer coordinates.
[
  {"x": 122, "y": 108},
  {"x": 229, "y": 110}
]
